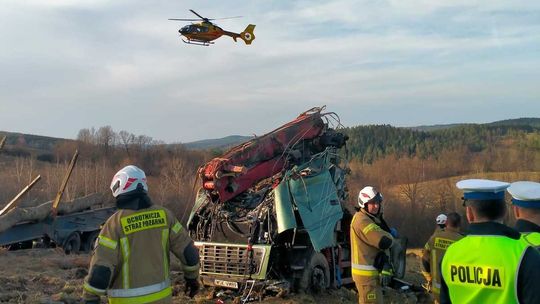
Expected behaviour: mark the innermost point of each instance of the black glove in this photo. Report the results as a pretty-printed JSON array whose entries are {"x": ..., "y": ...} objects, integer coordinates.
[
  {"x": 92, "y": 301},
  {"x": 386, "y": 275},
  {"x": 192, "y": 287}
]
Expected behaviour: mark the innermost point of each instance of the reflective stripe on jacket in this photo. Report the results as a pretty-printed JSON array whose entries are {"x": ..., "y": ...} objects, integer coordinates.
[
  {"x": 135, "y": 245},
  {"x": 146, "y": 294},
  {"x": 365, "y": 237},
  {"x": 483, "y": 269},
  {"x": 434, "y": 251}
]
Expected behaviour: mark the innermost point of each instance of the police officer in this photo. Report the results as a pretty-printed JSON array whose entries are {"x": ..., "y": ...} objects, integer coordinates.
[
  {"x": 130, "y": 263},
  {"x": 491, "y": 264},
  {"x": 446, "y": 233},
  {"x": 526, "y": 206},
  {"x": 370, "y": 237}
]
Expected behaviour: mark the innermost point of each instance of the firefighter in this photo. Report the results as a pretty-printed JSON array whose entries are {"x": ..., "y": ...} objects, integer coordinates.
[
  {"x": 130, "y": 263},
  {"x": 491, "y": 264},
  {"x": 446, "y": 233},
  {"x": 526, "y": 206},
  {"x": 370, "y": 238}
]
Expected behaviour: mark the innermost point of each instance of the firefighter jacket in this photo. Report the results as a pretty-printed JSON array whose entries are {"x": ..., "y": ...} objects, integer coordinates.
[
  {"x": 368, "y": 240},
  {"x": 530, "y": 232},
  {"x": 433, "y": 253},
  {"x": 492, "y": 264},
  {"x": 132, "y": 255}
]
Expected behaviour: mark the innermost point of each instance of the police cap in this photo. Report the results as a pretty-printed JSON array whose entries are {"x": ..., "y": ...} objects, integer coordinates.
[
  {"x": 482, "y": 189},
  {"x": 525, "y": 194}
]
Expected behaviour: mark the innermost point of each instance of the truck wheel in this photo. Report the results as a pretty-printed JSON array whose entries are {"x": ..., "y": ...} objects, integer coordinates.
[
  {"x": 72, "y": 245},
  {"x": 316, "y": 275},
  {"x": 90, "y": 241}
]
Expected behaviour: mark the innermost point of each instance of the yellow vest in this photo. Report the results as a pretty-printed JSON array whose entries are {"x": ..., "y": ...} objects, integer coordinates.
[
  {"x": 532, "y": 238},
  {"x": 483, "y": 269}
]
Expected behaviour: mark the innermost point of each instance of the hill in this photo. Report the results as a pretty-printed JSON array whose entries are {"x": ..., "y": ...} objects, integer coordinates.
[
  {"x": 533, "y": 122},
  {"x": 372, "y": 142},
  {"x": 527, "y": 121},
  {"x": 217, "y": 143},
  {"x": 19, "y": 144},
  {"x": 367, "y": 142},
  {"x": 435, "y": 127}
]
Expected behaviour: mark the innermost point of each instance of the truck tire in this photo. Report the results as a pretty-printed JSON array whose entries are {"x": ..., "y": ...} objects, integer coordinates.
[
  {"x": 90, "y": 241},
  {"x": 316, "y": 275},
  {"x": 72, "y": 244}
]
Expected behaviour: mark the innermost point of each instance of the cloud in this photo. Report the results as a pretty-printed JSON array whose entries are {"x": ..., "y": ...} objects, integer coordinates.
[{"x": 121, "y": 63}]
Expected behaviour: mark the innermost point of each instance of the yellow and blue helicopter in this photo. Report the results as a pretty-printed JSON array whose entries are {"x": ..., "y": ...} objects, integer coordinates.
[{"x": 205, "y": 32}]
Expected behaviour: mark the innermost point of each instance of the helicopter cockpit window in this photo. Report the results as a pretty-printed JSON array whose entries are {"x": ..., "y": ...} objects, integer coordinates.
[{"x": 186, "y": 28}]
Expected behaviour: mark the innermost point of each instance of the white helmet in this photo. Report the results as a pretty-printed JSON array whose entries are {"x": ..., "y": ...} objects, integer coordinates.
[
  {"x": 441, "y": 219},
  {"x": 368, "y": 194},
  {"x": 127, "y": 180}
]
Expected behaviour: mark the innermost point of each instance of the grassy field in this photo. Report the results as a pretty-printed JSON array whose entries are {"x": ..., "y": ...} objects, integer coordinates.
[{"x": 50, "y": 276}]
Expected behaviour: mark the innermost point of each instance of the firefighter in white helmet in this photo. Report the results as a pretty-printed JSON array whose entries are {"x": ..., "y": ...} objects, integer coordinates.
[
  {"x": 446, "y": 233},
  {"x": 370, "y": 238},
  {"x": 130, "y": 263}
]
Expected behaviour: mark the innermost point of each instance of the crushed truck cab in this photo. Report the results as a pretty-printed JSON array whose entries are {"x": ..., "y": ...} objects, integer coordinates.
[{"x": 270, "y": 214}]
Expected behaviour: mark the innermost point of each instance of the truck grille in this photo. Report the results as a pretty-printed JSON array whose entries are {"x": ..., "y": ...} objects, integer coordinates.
[{"x": 229, "y": 259}]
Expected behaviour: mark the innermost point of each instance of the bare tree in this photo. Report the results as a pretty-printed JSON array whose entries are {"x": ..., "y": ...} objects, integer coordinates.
[
  {"x": 127, "y": 140},
  {"x": 106, "y": 138},
  {"x": 86, "y": 136}
]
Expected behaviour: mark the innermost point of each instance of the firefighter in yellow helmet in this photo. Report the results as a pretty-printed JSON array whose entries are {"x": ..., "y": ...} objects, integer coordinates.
[
  {"x": 130, "y": 263},
  {"x": 370, "y": 238},
  {"x": 447, "y": 232}
]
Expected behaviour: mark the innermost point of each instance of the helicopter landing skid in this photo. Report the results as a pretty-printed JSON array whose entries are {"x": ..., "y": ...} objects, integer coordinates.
[{"x": 197, "y": 42}]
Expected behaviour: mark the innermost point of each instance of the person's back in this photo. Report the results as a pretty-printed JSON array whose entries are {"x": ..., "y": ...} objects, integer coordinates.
[
  {"x": 482, "y": 267},
  {"x": 435, "y": 248},
  {"x": 492, "y": 263},
  {"x": 130, "y": 263},
  {"x": 148, "y": 233}
]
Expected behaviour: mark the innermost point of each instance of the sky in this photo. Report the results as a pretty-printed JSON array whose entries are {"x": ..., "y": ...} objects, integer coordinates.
[{"x": 66, "y": 65}]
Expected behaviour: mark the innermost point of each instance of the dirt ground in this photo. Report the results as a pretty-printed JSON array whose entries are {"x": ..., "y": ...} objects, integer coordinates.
[{"x": 50, "y": 276}]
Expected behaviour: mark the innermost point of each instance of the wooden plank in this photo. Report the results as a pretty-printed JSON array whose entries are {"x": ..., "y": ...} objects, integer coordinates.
[
  {"x": 64, "y": 184},
  {"x": 2, "y": 142},
  {"x": 15, "y": 200}
]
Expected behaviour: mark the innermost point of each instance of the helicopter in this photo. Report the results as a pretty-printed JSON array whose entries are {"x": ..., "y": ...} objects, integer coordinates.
[{"x": 205, "y": 32}]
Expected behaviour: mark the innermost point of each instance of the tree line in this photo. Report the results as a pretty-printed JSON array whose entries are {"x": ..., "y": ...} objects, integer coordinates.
[{"x": 415, "y": 170}]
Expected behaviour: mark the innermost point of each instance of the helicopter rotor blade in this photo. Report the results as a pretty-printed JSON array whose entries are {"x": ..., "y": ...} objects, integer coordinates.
[
  {"x": 227, "y": 18},
  {"x": 198, "y": 15},
  {"x": 176, "y": 19}
]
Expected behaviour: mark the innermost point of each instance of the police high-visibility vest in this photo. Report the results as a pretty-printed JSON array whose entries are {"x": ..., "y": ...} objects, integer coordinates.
[
  {"x": 532, "y": 238},
  {"x": 483, "y": 269}
]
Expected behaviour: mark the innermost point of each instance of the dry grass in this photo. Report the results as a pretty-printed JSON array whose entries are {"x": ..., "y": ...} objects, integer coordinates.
[{"x": 45, "y": 276}]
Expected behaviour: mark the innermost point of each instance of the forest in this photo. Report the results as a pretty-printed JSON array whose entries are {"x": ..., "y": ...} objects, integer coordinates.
[{"x": 415, "y": 168}]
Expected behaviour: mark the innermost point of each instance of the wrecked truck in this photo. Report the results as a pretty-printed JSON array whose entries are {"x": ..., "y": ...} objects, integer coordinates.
[{"x": 271, "y": 216}]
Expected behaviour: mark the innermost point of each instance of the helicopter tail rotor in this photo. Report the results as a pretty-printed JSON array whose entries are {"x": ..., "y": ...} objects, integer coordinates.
[{"x": 247, "y": 35}]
